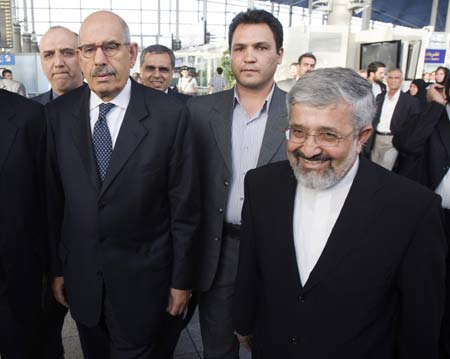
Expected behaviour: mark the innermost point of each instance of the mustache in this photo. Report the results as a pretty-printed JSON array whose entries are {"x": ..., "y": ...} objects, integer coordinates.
[
  {"x": 102, "y": 71},
  {"x": 321, "y": 157}
]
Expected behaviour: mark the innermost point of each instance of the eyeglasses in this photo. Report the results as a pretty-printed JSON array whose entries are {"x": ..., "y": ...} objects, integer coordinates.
[
  {"x": 110, "y": 48},
  {"x": 323, "y": 139}
]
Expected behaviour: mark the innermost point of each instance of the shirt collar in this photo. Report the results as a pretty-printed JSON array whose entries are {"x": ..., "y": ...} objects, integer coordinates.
[
  {"x": 266, "y": 103},
  {"x": 121, "y": 100},
  {"x": 395, "y": 97}
]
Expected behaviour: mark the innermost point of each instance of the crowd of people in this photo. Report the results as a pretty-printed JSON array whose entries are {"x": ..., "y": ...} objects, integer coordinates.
[{"x": 311, "y": 223}]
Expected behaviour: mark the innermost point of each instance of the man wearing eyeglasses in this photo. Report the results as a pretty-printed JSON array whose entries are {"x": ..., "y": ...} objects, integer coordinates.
[
  {"x": 157, "y": 64},
  {"x": 122, "y": 198},
  {"x": 339, "y": 258}
]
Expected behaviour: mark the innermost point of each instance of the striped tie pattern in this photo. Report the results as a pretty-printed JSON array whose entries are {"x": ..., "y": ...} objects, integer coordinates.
[{"x": 101, "y": 139}]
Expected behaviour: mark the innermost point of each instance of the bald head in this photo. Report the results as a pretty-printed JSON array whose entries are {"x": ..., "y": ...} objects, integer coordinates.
[
  {"x": 59, "y": 61},
  {"x": 106, "y": 54}
]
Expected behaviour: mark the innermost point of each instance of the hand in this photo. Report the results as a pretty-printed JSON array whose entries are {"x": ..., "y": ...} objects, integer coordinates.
[
  {"x": 59, "y": 291},
  {"x": 178, "y": 300},
  {"x": 436, "y": 93},
  {"x": 245, "y": 341}
]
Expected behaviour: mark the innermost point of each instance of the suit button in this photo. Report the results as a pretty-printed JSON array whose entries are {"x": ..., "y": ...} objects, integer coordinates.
[
  {"x": 102, "y": 205},
  {"x": 220, "y": 210},
  {"x": 216, "y": 238},
  {"x": 295, "y": 340},
  {"x": 226, "y": 183},
  {"x": 301, "y": 299},
  {"x": 102, "y": 239},
  {"x": 99, "y": 273}
]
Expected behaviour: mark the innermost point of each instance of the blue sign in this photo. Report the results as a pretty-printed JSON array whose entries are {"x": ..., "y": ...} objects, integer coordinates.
[
  {"x": 435, "y": 56},
  {"x": 7, "y": 59}
]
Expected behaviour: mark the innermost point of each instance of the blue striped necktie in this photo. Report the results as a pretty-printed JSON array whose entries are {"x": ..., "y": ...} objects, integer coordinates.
[{"x": 101, "y": 139}]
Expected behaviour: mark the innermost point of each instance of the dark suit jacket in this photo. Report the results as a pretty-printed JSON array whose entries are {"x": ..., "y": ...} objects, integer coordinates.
[
  {"x": 180, "y": 96},
  {"x": 43, "y": 98},
  {"x": 377, "y": 290},
  {"x": 407, "y": 107},
  {"x": 132, "y": 234},
  {"x": 211, "y": 120},
  {"x": 22, "y": 203}
]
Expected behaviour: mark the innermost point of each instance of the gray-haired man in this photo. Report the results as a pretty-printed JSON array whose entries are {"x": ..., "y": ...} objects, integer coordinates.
[{"x": 339, "y": 258}]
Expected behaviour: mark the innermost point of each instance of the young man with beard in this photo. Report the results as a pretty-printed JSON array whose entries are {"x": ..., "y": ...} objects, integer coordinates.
[
  {"x": 235, "y": 130},
  {"x": 339, "y": 257}
]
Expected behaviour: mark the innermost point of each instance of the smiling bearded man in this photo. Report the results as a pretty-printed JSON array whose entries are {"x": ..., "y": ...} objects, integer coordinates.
[{"x": 339, "y": 258}]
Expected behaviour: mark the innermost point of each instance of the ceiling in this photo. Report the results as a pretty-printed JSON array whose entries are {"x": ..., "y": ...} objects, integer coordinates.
[{"x": 411, "y": 13}]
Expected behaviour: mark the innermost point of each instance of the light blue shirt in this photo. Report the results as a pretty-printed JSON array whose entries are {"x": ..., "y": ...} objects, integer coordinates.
[{"x": 246, "y": 140}]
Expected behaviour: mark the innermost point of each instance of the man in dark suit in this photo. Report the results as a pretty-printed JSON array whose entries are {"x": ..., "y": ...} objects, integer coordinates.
[
  {"x": 23, "y": 222},
  {"x": 394, "y": 109},
  {"x": 339, "y": 257},
  {"x": 157, "y": 65},
  {"x": 235, "y": 130},
  {"x": 58, "y": 51},
  {"x": 123, "y": 199}
]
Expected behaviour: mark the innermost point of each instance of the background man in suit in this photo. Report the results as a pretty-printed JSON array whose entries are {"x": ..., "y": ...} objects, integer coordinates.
[
  {"x": 306, "y": 63},
  {"x": 394, "y": 108},
  {"x": 375, "y": 75},
  {"x": 23, "y": 225},
  {"x": 351, "y": 288},
  {"x": 59, "y": 61},
  {"x": 58, "y": 51},
  {"x": 236, "y": 130},
  {"x": 157, "y": 65},
  {"x": 123, "y": 201}
]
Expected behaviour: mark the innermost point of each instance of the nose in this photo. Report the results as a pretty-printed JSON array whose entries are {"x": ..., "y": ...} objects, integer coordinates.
[
  {"x": 59, "y": 59},
  {"x": 249, "y": 55},
  {"x": 310, "y": 147},
  {"x": 99, "y": 57}
]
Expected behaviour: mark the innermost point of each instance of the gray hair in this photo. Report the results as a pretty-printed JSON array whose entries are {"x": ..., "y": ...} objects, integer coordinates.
[
  {"x": 158, "y": 49},
  {"x": 324, "y": 87}
]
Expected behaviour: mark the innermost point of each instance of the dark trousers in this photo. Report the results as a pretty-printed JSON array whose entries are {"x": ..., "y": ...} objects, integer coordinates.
[
  {"x": 53, "y": 321},
  {"x": 107, "y": 341},
  {"x": 18, "y": 337},
  {"x": 215, "y": 306}
]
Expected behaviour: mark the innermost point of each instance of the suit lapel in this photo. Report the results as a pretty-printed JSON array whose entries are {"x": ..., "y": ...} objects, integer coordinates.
[
  {"x": 221, "y": 122},
  {"x": 399, "y": 114},
  {"x": 130, "y": 135},
  {"x": 276, "y": 122},
  {"x": 82, "y": 136},
  {"x": 8, "y": 133},
  {"x": 286, "y": 200},
  {"x": 358, "y": 210}
]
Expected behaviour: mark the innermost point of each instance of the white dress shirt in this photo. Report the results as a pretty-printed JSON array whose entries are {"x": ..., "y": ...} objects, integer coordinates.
[
  {"x": 387, "y": 111},
  {"x": 115, "y": 116},
  {"x": 444, "y": 187},
  {"x": 315, "y": 214}
]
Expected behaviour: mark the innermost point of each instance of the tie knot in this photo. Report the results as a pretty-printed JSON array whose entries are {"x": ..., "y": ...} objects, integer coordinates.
[{"x": 105, "y": 108}]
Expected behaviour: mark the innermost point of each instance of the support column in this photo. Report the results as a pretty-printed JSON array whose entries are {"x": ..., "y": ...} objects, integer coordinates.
[
  {"x": 340, "y": 14},
  {"x": 367, "y": 15},
  {"x": 434, "y": 9}
]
